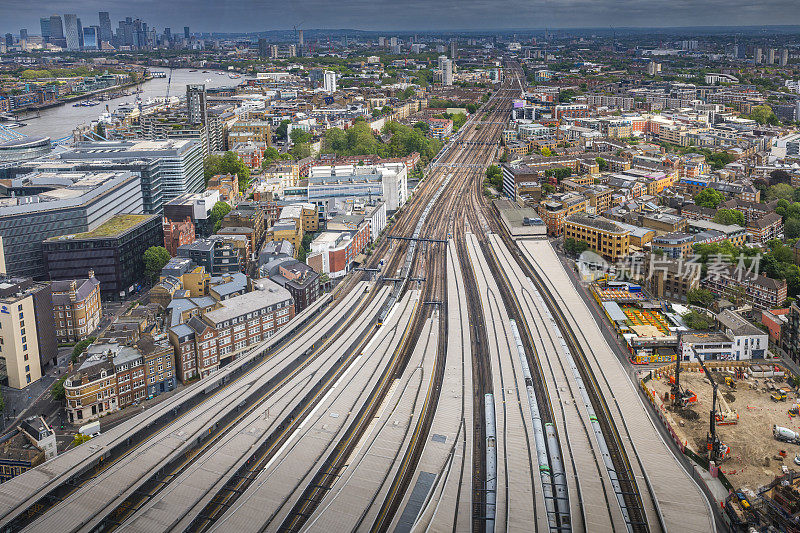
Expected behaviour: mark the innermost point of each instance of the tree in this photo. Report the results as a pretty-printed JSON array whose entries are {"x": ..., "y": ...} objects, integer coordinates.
[
  {"x": 305, "y": 247},
  {"x": 763, "y": 114},
  {"x": 791, "y": 228},
  {"x": 780, "y": 191},
  {"x": 567, "y": 95},
  {"x": 301, "y": 150},
  {"x": 300, "y": 136},
  {"x": 602, "y": 164},
  {"x": 407, "y": 93},
  {"x": 217, "y": 213},
  {"x": 458, "y": 120},
  {"x": 57, "y": 390},
  {"x": 575, "y": 247},
  {"x": 79, "y": 348},
  {"x": 211, "y": 166},
  {"x": 471, "y": 108},
  {"x": 281, "y": 130},
  {"x": 729, "y": 217},
  {"x": 709, "y": 198},
  {"x": 718, "y": 160},
  {"x": 424, "y": 127},
  {"x": 494, "y": 175},
  {"x": 560, "y": 173},
  {"x": 155, "y": 258},
  {"x": 229, "y": 163},
  {"x": 695, "y": 320},
  {"x": 271, "y": 154},
  {"x": 547, "y": 152},
  {"x": 700, "y": 297},
  {"x": 779, "y": 176},
  {"x": 80, "y": 438}
]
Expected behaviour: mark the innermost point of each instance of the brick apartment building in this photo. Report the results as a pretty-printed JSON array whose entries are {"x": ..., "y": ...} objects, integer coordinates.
[
  {"x": 76, "y": 308},
  {"x": 177, "y": 234},
  {"x": 229, "y": 327}
]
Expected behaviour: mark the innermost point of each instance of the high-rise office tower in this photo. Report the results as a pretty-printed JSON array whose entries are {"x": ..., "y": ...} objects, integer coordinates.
[
  {"x": 9, "y": 40},
  {"x": 105, "y": 27},
  {"x": 771, "y": 56},
  {"x": 392, "y": 41},
  {"x": 90, "y": 38},
  {"x": 784, "y": 57},
  {"x": 44, "y": 23},
  {"x": 186, "y": 34},
  {"x": 71, "y": 32},
  {"x": 381, "y": 41},
  {"x": 453, "y": 50},
  {"x": 263, "y": 47},
  {"x": 757, "y": 55},
  {"x": 300, "y": 38},
  {"x": 80, "y": 34},
  {"x": 23, "y": 34},
  {"x": 57, "y": 31}
]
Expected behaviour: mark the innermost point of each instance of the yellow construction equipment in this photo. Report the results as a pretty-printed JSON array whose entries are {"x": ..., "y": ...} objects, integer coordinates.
[
  {"x": 730, "y": 382},
  {"x": 778, "y": 396},
  {"x": 725, "y": 415}
]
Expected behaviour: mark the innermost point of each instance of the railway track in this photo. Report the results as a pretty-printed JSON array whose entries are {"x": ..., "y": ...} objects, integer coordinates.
[{"x": 447, "y": 206}]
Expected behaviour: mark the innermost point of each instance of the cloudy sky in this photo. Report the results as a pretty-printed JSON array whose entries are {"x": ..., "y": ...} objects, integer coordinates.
[{"x": 256, "y": 15}]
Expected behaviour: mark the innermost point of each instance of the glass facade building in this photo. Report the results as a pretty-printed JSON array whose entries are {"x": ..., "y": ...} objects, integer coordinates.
[
  {"x": 48, "y": 204},
  {"x": 114, "y": 251}
]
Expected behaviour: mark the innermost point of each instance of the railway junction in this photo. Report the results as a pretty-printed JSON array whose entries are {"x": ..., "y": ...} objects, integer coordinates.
[{"x": 471, "y": 391}]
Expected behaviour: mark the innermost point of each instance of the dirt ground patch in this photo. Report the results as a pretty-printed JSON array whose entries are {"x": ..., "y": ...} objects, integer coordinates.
[{"x": 754, "y": 454}]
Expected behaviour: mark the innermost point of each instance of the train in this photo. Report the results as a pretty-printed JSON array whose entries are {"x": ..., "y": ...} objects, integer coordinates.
[
  {"x": 491, "y": 462},
  {"x": 598, "y": 431},
  {"x": 551, "y": 467}
]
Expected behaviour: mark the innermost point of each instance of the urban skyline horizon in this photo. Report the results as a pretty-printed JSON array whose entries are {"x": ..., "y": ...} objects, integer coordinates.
[{"x": 381, "y": 16}]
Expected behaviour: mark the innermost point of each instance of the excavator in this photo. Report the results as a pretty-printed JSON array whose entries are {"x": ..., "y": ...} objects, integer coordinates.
[{"x": 725, "y": 415}]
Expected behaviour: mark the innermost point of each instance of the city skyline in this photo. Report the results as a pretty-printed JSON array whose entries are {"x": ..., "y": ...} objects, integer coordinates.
[{"x": 382, "y": 15}]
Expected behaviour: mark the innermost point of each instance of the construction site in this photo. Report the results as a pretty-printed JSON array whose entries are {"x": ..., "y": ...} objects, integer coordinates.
[{"x": 750, "y": 400}]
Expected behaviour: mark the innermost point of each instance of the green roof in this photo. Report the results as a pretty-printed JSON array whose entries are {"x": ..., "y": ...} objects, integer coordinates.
[{"x": 113, "y": 227}]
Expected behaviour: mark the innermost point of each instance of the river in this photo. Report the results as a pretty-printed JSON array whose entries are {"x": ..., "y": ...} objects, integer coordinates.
[{"x": 58, "y": 122}]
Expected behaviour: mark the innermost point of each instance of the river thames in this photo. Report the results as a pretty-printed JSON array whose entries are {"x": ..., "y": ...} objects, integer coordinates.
[{"x": 58, "y": 122}]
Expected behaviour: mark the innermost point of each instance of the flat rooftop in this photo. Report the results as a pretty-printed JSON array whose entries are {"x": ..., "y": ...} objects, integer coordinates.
[{"x": 113, "y": 227}]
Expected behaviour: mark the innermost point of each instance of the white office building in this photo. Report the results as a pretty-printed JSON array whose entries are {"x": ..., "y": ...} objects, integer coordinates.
[{"x": 387, "y": 182}]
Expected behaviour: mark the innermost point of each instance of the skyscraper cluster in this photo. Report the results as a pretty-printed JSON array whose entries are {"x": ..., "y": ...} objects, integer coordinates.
[{"x": 131, "y": 33}]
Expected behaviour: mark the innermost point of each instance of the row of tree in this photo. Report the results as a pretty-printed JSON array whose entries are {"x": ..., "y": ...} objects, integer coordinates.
[{"x": 361, "y": 140}]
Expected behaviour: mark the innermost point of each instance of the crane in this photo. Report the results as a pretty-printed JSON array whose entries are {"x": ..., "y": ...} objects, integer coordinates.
[
  {"x": 680, "y": 398},
  {"x": 169, "y": 82},
  {"x": 717, "y": 450}
]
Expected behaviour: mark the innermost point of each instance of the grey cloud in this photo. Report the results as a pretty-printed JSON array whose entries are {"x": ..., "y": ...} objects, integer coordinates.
[{"x": 394, "y": 15}]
